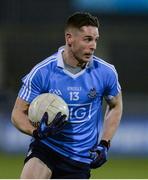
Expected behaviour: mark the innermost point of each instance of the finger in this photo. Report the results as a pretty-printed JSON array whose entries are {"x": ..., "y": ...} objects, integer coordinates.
[
  {"x": 58, "y": 115},
  {"x": 55, "y": 120},
  {"x": 45, "y": 118},
  {"x": 63, "y": 117},
  {"x": 61, "y": 121},
  {"x": 61, "y": 124}
]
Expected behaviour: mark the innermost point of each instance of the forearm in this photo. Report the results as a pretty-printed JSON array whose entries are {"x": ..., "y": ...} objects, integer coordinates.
[
  {"x": 111, "y": 123},
  {"x": 112, "y": 117},
  {"x": 20, "y": 118},
  {"x": 21, "y": 122}
]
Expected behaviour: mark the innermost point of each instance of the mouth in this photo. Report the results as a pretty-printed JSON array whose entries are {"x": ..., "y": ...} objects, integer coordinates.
[{"x": 88, "y": 55}]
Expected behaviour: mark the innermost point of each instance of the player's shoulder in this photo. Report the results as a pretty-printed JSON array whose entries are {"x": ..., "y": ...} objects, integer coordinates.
[
  {"x": 49, "y": 61},
  {"x": 103, "y": 65},
  {"x": 43, "y": 67}
]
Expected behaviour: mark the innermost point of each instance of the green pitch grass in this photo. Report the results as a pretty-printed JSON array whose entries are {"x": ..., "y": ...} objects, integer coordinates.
[{"x": 129, "y": 168}]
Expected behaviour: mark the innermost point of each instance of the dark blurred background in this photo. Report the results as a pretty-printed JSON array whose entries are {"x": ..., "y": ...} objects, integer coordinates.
[{"x": 31, "y": 30}]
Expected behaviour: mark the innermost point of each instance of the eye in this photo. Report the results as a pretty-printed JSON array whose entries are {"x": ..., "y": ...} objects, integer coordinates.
[
  {"x": 96, "y": 40},
  {"x": 88, "y": 39}
]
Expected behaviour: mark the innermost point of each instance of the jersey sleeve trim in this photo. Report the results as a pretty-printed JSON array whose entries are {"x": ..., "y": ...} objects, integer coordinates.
[{"x": 28, "y": 80}]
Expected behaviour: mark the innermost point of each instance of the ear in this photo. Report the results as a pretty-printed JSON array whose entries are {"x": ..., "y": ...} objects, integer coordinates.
[{"x": 68, "y": 37}]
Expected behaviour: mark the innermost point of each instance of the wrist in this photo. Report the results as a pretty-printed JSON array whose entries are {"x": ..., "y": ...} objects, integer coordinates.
[
  {"x": 105, "y": 143},
  {"x": 35, "y": 134}
]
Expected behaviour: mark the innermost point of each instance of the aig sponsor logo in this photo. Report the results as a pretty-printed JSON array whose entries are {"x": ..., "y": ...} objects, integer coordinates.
[{"x": 79, "y": 112}]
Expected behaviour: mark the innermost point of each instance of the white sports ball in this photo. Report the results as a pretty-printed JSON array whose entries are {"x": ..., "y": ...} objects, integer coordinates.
[{"x": 47, "y": 102}]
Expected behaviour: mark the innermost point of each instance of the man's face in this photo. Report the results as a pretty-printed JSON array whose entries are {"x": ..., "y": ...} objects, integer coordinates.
[{"x": 84, "y": 42}]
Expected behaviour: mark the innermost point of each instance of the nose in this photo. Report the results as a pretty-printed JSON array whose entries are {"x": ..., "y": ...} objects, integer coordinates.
[{"x": 93, "y": 45}]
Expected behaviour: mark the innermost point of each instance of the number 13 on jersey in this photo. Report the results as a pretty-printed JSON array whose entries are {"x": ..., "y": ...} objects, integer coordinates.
[{"x": 74, "y": 96}]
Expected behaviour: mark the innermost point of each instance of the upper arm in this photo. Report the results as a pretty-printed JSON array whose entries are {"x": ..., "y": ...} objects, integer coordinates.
[{"x": 115, "y": 101}]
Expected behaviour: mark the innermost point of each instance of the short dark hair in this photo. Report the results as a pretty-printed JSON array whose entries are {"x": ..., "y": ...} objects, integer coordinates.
[{"x": 79, "y": 19}]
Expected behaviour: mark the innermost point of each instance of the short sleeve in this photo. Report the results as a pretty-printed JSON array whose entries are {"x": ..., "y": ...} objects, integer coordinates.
[
  {"x": 113, "y": 87},
  {"x": 32, "y": 86}
]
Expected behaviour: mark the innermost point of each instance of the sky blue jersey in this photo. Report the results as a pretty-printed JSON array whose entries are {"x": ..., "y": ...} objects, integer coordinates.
[{"x": 83, "y": 92}]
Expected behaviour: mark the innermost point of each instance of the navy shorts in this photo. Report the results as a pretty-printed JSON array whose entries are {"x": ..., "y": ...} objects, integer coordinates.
[{"x": 61, "y": 166}]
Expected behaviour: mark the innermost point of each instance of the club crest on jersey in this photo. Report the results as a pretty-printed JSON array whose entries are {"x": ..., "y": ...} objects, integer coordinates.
[{"x": 92, "y": 93}]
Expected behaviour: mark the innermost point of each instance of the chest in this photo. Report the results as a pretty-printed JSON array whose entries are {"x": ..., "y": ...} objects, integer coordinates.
[{"x": 86, "y": 87}]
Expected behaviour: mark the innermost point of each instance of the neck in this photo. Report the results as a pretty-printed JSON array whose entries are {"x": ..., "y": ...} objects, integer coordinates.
[{"x": 71, "y": 60}]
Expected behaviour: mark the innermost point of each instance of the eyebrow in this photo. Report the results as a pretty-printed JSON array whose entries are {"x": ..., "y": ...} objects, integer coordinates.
[{"x": 91, "y": 36}]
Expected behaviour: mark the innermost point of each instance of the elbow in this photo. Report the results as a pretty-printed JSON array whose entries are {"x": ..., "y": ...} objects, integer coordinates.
[{"x": 13, "y": 117}]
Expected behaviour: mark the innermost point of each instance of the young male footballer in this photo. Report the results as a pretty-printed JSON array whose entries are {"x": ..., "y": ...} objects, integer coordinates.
[{"x": 69, "y": 150}]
